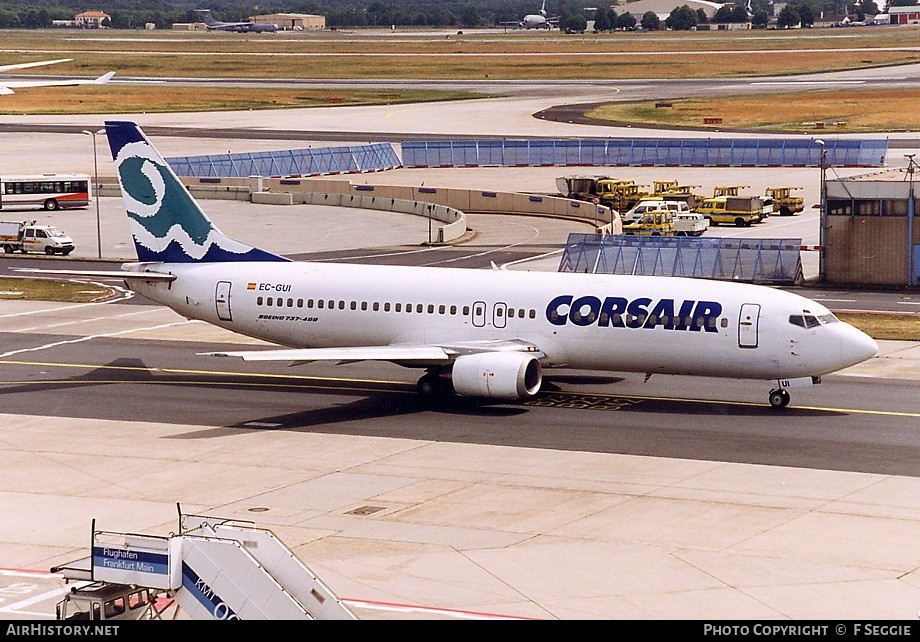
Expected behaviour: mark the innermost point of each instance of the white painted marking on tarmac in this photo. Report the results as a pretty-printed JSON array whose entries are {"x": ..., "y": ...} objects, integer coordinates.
[
  {"x": 92, "y": 320},
  {"x": 94, "y": 336},
  {"x": 406, "y": 608},
  {"x": 532, "y": 258},
  {"x": 262, "y": 424},
  {"x": 909, "y": 302},
  {"x": 16, "y": 607},
  {"x": 787, "y": 83},
  {"x": 8, "y": 572}
]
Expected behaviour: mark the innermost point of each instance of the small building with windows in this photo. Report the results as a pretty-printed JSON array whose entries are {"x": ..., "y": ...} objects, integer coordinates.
[
  {"x": 871, "y": 229},
  {"x": 92, "y": 20},
  {"x": 904, "y": 15}
]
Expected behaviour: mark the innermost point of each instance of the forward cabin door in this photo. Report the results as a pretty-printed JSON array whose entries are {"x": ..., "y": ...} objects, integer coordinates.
[
  {"x": 222, "y": 300},
  {"x": 748, "y": 322}
]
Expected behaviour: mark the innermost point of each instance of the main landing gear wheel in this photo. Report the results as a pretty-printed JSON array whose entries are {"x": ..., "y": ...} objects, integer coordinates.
[
  {"x": 779, "y": 398},
  {"x": 431, "y": 386}
]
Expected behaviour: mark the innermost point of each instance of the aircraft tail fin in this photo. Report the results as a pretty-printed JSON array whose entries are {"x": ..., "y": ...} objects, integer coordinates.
[
  {"x": 166, "y": 222},
  {"x": 206, "y": 16}
]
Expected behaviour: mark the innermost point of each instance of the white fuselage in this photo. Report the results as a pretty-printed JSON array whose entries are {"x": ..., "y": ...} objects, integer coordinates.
[{"x": 598, "y": 322}]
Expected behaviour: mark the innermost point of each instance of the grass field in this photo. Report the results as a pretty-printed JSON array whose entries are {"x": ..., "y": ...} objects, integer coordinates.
[{"x": 493, "y": 54}]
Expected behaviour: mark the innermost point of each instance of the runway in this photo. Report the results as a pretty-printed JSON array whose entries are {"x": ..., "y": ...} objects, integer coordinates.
[{"x": 614, "y": 499}]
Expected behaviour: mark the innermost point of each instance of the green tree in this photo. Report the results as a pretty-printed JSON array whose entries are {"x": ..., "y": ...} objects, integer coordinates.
[
  {"x": 788, "y": 17},
  {"x": 760, "y": 19},
  {"x": 722, "y": 14},
  {"x": 576, "y": 23},
  {"x": 806, "y": 12},
  {"x": 682, "y": 18},
  {"x": 739, "y": 14},
  {"x": 9, "y": 19},
  {"x": 469, "y": 16},
  {"x": 602, "y": 19},
  {"x": 626, "y": 21},
  {"x": 650, "y": 21}
]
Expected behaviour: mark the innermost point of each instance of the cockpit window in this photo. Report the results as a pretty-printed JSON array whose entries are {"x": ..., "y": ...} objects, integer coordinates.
[{"x": 810, "y": 320}]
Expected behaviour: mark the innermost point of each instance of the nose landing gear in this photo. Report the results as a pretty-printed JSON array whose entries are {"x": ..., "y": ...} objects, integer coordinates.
[{"x": 779, "y": 398}]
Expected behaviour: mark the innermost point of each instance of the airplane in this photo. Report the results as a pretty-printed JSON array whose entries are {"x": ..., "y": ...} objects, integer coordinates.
[
  {"x": 7, "y": 86},
  {"x": 538, "y": 20},
  {"x": 240, "y": 27},
  {"x": 486, "y": 334}
]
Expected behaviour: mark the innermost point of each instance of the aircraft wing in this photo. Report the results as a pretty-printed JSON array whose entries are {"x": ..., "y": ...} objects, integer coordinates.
[
  {"x": 26, "y": 65},
  {"x": 424, "y": 353},
  {"x": 434, "y": 354},
  {"x": 6, "y": 87}
]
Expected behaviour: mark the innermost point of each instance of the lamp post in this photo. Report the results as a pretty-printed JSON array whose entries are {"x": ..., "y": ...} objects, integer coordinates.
[
  {"x": 96, "y": 191},
  {"x": 822, "y": 214},
  {"x": 912, "y": 277}
]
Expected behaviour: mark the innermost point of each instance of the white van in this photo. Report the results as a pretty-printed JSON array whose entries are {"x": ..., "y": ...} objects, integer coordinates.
[{"x": 652, "y": 204}]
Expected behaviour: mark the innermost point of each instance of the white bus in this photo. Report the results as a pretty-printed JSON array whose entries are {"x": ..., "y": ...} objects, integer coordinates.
[{"x": 48, "y": 191}]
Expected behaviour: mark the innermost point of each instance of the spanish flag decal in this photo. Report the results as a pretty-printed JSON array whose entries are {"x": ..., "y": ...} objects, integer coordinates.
[{"x": 251, "y": 286}]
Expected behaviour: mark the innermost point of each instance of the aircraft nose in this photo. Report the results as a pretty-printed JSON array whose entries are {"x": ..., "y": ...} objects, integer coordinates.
[{"x": 856, "y": 346}]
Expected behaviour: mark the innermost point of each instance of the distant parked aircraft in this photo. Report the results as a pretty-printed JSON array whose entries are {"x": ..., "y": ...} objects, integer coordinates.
[
  {"x": 7, "y": 86},
  {"x": 240, "y": 27}
]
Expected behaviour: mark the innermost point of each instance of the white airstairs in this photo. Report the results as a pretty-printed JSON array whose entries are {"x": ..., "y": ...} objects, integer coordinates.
[{"x": 213, "y": 569}]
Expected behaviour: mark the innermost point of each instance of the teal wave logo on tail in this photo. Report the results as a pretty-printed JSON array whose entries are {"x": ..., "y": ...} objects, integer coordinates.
[{"x": 166, "y": 222}]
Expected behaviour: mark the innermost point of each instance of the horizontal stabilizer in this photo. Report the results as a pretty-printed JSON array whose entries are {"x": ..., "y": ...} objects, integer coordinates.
[{"x": 103, "y": 274}]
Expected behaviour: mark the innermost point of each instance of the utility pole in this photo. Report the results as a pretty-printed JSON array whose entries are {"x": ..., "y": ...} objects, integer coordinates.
[{"x": 96, "y": 191}]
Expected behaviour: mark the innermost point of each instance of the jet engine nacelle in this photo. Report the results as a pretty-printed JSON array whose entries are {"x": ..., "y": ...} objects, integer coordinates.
[{"x": 497, "y": 375}]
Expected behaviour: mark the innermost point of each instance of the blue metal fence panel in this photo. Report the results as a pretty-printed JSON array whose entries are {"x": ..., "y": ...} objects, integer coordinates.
[
  {"x": 776, "y": 261},
  {"x": 289, "y": 162},
  {"x": 709, "y": 152}
]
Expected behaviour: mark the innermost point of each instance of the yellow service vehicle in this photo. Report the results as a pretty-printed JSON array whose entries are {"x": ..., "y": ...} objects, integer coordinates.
[
  {"x": 728, "y": 190},
  {"x": 784, "y": 203},
  {"x": 737, "y": 210},
  {"x": 665, "y": 186},
  {"x": 653, "y": 223},
  {"x": 620, "y": 193}
]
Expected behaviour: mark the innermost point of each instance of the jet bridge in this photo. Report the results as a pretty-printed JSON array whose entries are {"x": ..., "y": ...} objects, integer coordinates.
[{"x": 213, "y": 569}]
